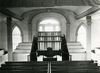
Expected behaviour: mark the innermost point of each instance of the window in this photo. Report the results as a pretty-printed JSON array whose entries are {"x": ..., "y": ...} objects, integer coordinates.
[
  {"x": 49, "y": 31},
  {"x": 49, "y": 25},
  {"x": 81, "y": 37},
  {"x": 16, "y": 35}
]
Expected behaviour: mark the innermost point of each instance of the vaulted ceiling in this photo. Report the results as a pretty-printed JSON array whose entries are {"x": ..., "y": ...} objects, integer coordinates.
[{"x": 16, "y": 8}]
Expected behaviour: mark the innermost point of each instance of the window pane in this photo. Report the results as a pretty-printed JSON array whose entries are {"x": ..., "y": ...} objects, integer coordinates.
[
  {"x": 49, "y": 28},
  {"x": 57, "y": 28},
  {"x": 49, "y": 25},
  {"x": 82, "y": 36},
  {"x": 16, "y": 35}
]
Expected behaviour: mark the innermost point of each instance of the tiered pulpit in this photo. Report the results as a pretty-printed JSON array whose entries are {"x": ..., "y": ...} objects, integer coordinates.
[{"x": 49, "y": 44}]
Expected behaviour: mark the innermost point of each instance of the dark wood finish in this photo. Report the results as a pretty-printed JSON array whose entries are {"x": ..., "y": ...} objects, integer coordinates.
[{"x": 56, "y": 67}]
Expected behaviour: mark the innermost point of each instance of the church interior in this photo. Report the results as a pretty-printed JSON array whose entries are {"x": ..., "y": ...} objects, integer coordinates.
[{"x": 49, "y": 36}]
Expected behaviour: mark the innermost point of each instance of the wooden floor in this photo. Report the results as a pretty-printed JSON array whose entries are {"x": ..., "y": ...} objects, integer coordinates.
[{"x": 50, "y": 67}]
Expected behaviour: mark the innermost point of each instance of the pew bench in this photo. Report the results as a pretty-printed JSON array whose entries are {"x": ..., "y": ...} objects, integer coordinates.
[
  {"x": 27, "y": 63},
  {"x": 21, "y": 71},
  {"x": 43, "y": 68}
]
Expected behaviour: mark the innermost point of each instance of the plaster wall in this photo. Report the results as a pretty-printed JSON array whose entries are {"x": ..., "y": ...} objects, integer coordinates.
[
  {"x": 73, "y": 26},
  {"x": 3, "y": 35},
  {"x": 95, "y": 33},
  {"x": 24, "y": 29}
]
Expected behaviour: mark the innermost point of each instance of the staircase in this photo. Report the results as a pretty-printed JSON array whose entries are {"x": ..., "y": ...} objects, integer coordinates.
[
  {"x": 23, "y": 50},
  {"x": 50, "y": 67}
]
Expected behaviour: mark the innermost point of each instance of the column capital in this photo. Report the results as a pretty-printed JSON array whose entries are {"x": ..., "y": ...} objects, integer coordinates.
[{"x": 89, "y": 20}]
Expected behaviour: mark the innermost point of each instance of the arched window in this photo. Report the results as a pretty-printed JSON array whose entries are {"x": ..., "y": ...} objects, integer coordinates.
[
  {"x": 81, "y": 37},
  {"x": 49, "y": 31},
  {"x": 16, "y": 37},
  {"x": 49, "y": 25}
]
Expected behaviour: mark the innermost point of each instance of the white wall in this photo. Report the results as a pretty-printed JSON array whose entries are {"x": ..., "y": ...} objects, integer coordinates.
[
  {"x": 3, "y": 35},
  {"x": 95, "y": 37},
  {"x": 95, "y": 33}
]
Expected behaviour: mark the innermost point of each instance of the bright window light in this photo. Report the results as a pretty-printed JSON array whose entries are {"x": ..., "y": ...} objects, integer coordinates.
[
  {"x": 16, "y": 35},
  {"x": 49, "y": 25},
  {"x": 82, "y": 36},
  {"x": 49, "y": 21}
]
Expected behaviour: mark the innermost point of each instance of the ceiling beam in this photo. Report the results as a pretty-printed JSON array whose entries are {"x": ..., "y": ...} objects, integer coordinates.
[
  {"x": 88, "y": 12},
  {"x": 11, "y": 14}
]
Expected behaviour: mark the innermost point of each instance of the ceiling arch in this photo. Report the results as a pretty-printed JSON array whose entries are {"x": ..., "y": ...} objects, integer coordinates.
[
  {"x": 50, "y": 15},
  {"x": 35, "y": 12}
]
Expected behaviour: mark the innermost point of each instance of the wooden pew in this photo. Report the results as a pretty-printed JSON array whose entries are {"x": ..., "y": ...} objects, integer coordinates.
[
  {"x": 74, "y": 67},
  {"x": 43, "y": 68},
  {"x": 21, "y": 71},
  {"x": 24, "y": 67},
  {"x": 56, "y": 67},
  {"x": 27, "y": 63},
  {"x": 40, "y": 66},
  {"x": 77, "y": 71},
  {"x": 73, "y": 63}
]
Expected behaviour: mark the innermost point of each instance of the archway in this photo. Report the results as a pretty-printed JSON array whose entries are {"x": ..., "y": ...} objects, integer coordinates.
[
  {"x": 49, "y": 22},
  {"x": 50, "y": 15}
]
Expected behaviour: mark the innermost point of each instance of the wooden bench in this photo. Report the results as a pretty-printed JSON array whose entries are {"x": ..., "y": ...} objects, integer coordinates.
[
  {"x": 78, "y": 71},
  {"x": 73, "y": 64},
  {"x": 43, "y": 68},
  {"x": 74, "y": 67},
  {"x": 27, "y": 63},
  {"x": 21, "y": 71},
  {"x": 56, "y": 67}
]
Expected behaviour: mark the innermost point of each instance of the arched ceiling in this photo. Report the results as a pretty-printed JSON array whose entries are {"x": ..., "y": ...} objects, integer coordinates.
[
  {"x": 77, "y": 9},
  {"x": 16, "y": 8}
]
